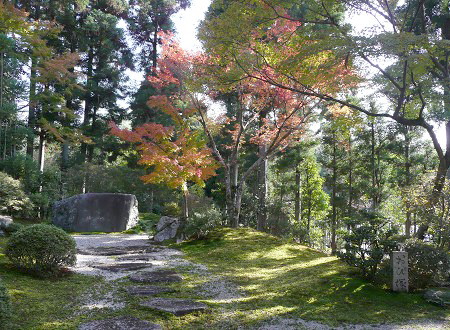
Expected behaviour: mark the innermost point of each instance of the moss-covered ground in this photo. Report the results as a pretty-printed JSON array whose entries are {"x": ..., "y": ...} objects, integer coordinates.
[{"x": 279, "y": 279}]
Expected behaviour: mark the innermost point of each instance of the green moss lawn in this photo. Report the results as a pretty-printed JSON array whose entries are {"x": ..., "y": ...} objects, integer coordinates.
[{"x": 279, "y": 279}]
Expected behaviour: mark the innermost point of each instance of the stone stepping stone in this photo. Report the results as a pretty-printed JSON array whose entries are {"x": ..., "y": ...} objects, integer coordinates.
[
  {"x": 156, "y": 276},
  {"x": 144, "y": 256},
  {"x": 115, "y": 251},
  {"x": 120, "y": 323},
  {"x": 122, "y": 266},
  {"x": 175, "y": 306},
  {"x": 147, "y": 290}
]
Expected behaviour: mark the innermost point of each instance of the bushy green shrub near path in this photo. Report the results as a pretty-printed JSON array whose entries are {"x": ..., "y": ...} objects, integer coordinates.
[{"x": 41, "y": 249}]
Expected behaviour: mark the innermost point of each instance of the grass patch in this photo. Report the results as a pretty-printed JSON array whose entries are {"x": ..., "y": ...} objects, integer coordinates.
[
  {"x": 289, "y": 280},
  {"x": 279, "y": 279}
]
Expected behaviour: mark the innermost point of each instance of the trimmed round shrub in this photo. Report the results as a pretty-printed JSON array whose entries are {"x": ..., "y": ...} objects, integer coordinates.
[
  {"x": 428, "y": 264},
  {"x": 5, "y": 306},
  {"x": 41, "y": 249}
]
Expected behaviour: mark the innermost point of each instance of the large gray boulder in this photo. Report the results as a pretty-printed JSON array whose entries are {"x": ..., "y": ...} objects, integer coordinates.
[
  {"x": 92, "y": 212},
  {"x": 166, "y": 228}
]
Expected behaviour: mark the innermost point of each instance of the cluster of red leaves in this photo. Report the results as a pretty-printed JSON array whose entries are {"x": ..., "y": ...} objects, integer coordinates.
[{"x": 175, "y": 154}]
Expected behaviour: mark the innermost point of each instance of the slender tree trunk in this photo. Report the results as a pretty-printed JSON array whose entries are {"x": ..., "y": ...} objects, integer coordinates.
[
  {"x": 32, "y": 109},
  {"x": 333, "y": 199},
  {"x": 262, "y": 190},
  {"x": 87, "y": 101},
  {"x": 350, "y": 179},
  {"x": 407, "y": 180},
  {"x": 309, "y": 206},
  {"x": 373, "y": 167},
  {"x": 150, "y": 206},
  {"x": 41, "y": 160},
  {"x": 297, "y": 195},
  {"x": 2, "y": 56}
]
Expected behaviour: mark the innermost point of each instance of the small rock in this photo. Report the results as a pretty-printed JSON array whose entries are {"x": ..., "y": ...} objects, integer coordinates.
[
  {"x": 120, "y": 323},
  {"x": 157, "y": 276},
  {"x": 5, "y": 221},
  {"x": 147, "y": 290},
  {"x": 175, "y": 306},
  {"x": 121, "y": 267},
  {"x": 167, "y": 228},
  {"x": 440, "y": 297}
]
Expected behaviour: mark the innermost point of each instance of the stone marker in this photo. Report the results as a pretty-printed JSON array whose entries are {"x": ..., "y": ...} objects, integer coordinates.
[
  {"x": 400, "y": 271},
  {"x": 96, "y": 212},
  {"x": 175, "y": 306},
  {"x": 121, "y": 266},
  {"x": 166, "y": 228},
  {"x": 156, "y": 276},
  {"x": 120, "y": 323},
  {"x": 147, "y": 290}
]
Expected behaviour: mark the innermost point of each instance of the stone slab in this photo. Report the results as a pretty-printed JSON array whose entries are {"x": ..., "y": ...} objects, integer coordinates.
[
  {"x": 120, "y": 323},
  {"x": 119, "y": 267},
  {"x": 162, "y": 276},
  {"x": 175, "y": 306},
  {"x": 102, "y": 212},
  {"x": 144, "y": 256},
  {"x": 147, "y": 290},
  {"x": 120, "y": 250}
]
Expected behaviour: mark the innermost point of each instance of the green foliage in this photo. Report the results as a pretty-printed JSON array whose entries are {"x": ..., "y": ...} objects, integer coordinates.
[
  {"x": 12, "y": 198},
  {"x": 171, "y": 209},
  {"x": 146, "y": 223},
  {"x": 12, "y": 228},
  {"x": 428, "y": 264},
  {"x": 41, "y": 249},
  {"x": 204, "y": 217},
  {"x": 369, "y": 241},
  {"x": 5, "y": 306}
]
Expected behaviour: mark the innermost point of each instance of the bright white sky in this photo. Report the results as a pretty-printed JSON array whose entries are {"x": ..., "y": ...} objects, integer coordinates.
[{"x": 186, "y": 23}]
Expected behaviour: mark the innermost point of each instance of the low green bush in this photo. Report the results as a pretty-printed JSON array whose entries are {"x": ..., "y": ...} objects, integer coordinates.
[
  {"x": 5, "y": 306},
  {"x": 12, "y": 228},
  {"x": 370, "y": 240},
  {"x": 428, "y": 264},
  {"x": 41, "y": 249},
  {"x": 146, "y": 223},
  {"x": 204, "y": 216}
]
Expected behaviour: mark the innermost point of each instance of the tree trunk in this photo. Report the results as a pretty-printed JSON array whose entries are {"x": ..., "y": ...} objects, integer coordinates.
[
  {"x": 297, "y": 194},
  {"x": 350, "y": 180},
  {"x": 372, "y": 163},
  {"x": 407, "y": 180},
  {"x": 262, "y": 190},
  {"x": 32, "y": 109},
  {"x": 333, "y": 199},
  {"x": 87, "y": 101}
]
